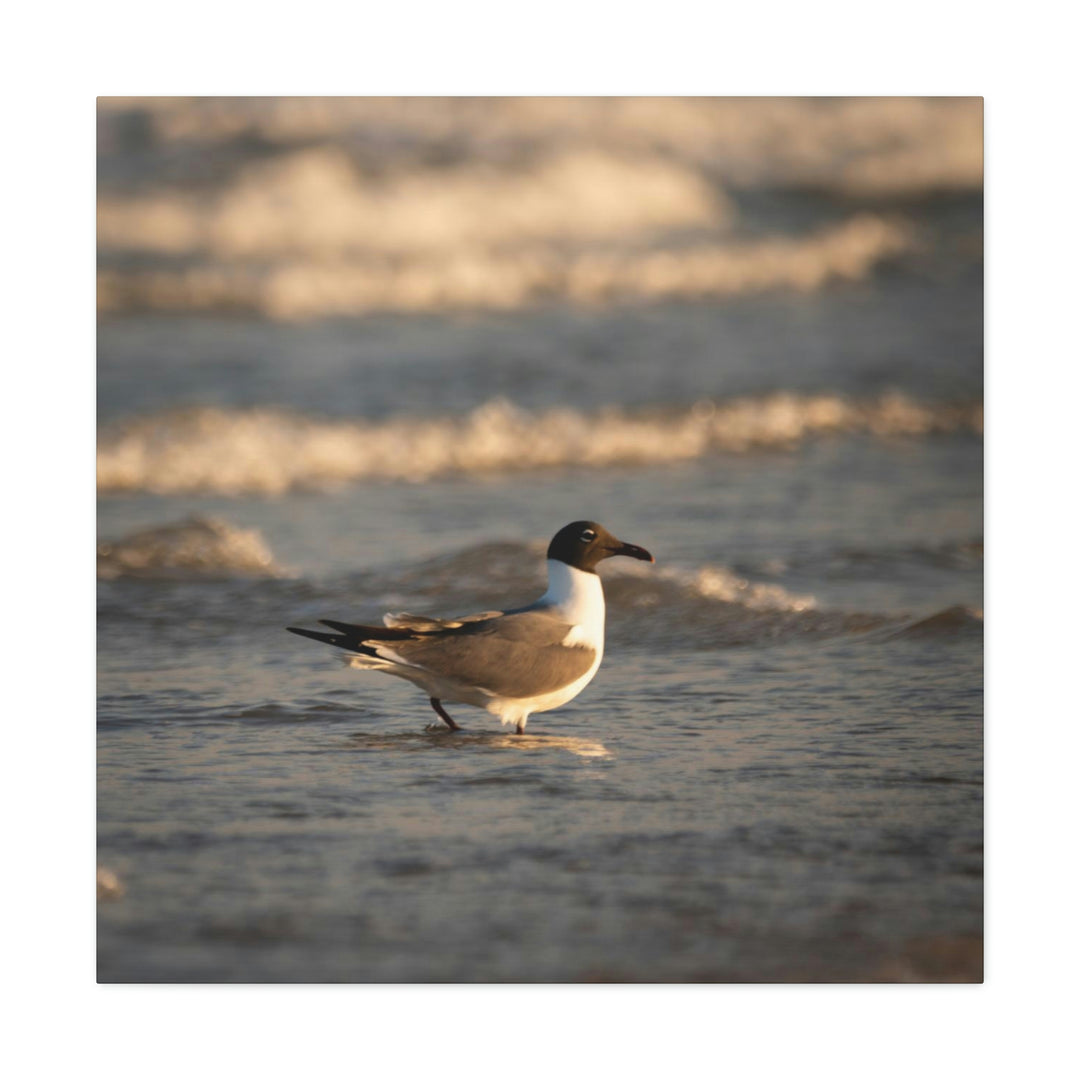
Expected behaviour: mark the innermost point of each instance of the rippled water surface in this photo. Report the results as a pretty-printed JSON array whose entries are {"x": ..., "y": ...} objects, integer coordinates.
[{"x": 775, "y": 775}]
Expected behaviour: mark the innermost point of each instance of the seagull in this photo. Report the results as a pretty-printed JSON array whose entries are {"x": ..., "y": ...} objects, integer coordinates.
[{"x": 512, "y": 663}]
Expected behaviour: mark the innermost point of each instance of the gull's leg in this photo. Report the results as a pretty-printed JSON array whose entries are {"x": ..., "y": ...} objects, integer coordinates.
[
  {"x": 451, "y": 723},
  {"x": 521, "y": 727}
]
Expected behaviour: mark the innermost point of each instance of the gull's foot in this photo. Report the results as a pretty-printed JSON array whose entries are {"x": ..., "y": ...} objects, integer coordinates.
[
  {"x": 520, "y": 729},
  {"x": 451, "y": 723}
]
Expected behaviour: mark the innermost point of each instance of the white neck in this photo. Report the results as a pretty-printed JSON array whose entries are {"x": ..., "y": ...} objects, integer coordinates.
[{"x": 578, "y": 596}]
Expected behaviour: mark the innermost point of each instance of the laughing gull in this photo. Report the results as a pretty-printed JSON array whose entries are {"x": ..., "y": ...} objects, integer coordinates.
[{"x": 511, "y": 663}]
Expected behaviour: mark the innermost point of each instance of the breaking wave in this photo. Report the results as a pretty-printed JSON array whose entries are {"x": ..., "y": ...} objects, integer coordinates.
[
  {"x": 709, "y": 607},
  {"x": 270, "y": 451},
  {"x": 858, "y": 145},
  {"x": 714, "y": 583},
  {"x": 307, "y": 233},
  {"x": 315, "y": 202},
  {"x": 299, "y": 208},
  {"x": 197, "y": 547},
  {"x": 481, "y": 278}
]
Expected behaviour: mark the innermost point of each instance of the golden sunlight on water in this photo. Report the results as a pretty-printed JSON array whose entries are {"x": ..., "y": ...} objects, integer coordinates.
[{"x": 438, "y": 738}]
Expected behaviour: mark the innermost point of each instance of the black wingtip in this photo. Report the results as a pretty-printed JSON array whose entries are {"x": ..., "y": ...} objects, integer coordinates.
[
  {"x": 317, "y": 635},
  {"x": 352, "y": 636}
]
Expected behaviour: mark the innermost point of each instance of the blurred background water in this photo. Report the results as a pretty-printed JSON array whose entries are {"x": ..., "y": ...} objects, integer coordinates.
[{"x": 359, "y": 355}]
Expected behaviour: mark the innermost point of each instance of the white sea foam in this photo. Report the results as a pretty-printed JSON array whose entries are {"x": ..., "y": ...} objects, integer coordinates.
[
  {"x": 301, "y": 208},
  {"x": 479, "y": 277},
  {"x": 875, "y": 144},
  {"x": 314, "y": 203},
  {"x": 718, "y": 583},
  {"x": 270, "y": 451}
]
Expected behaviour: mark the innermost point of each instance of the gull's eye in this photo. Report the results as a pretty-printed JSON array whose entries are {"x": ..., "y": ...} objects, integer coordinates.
[{"x": 588, "y": 536}]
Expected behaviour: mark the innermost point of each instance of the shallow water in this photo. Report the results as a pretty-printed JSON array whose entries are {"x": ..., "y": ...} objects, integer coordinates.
[{"x": 813, "y": 813}]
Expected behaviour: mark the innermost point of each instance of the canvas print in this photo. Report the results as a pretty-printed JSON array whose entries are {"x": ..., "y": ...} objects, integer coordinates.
[{"x": 539, "y": 540}]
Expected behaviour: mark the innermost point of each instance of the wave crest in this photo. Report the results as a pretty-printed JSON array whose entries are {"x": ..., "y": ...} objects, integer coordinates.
[
  {"x": 197, "y": 547},
  {"x": 849, "y": 144},
  {"x": 302, "y": 208},
  {"x": 315, "y": 203},
  {"x": 946, "y": 623},
  {"x": 269, "y": 451},
  {"x": 715, "y": 583},
  {"x": 480, "y": 278}
]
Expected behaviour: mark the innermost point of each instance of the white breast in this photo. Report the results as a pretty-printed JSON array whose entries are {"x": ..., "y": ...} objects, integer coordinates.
[{"x": 578, "y": 597}]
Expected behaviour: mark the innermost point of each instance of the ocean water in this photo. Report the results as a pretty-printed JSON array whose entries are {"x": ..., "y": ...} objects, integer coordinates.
[{"x": 776, "y": 774}]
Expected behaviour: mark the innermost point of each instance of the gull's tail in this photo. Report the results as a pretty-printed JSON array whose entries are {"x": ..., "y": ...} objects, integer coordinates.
[{"x": 362, "y": 643}]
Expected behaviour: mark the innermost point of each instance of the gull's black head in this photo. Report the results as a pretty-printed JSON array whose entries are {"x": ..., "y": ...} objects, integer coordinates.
[{"x": 582, "y": 544}]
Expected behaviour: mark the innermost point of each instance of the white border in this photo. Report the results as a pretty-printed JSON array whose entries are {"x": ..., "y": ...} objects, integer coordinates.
[{"x": 59, "y": 59}]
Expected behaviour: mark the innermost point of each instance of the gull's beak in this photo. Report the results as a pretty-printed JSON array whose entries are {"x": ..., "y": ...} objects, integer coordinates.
[{"x": 633, "y": 551}]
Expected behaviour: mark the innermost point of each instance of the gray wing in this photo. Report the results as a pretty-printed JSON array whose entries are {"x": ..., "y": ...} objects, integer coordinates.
[{"x": 517, "y": 655}]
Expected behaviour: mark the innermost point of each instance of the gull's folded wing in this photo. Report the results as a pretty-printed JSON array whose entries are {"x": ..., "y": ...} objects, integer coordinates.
[{"x": 520, "y": 655}]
